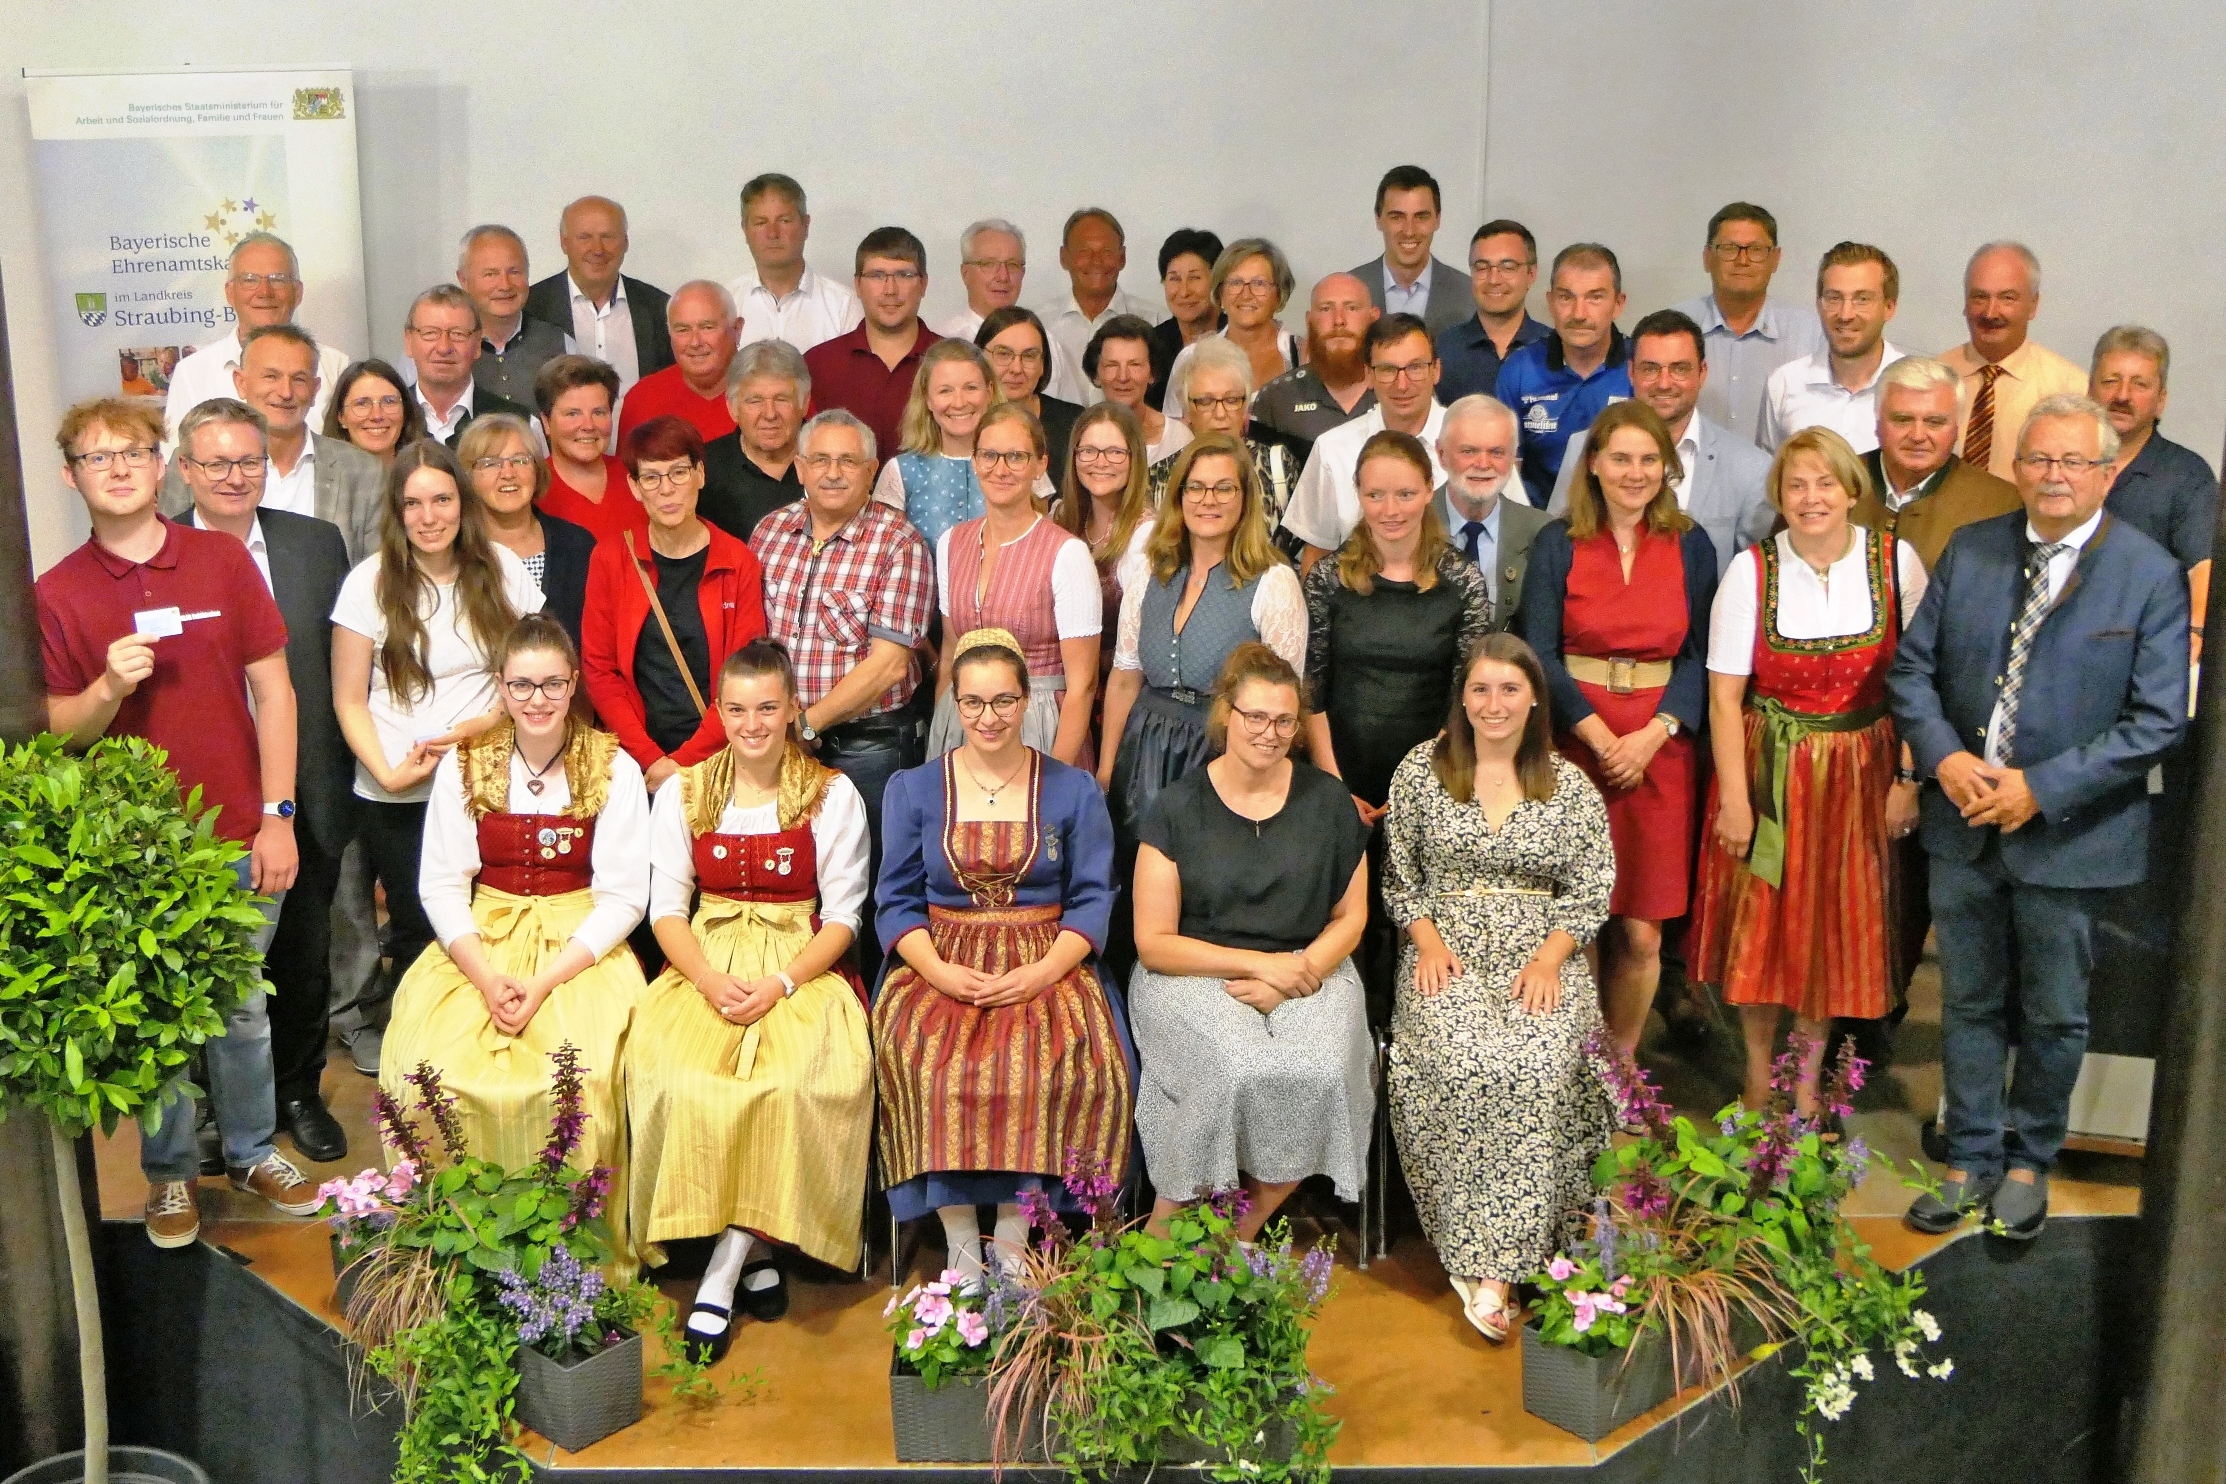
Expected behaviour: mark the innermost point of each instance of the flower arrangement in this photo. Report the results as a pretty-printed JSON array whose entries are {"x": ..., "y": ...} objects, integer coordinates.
[
  {"x": 1696, "y": 1226},
  {"x": 359, "y": 1208},
  {"x": 943, "y": 1329},
  {"x": 1128, "y": 1343}
]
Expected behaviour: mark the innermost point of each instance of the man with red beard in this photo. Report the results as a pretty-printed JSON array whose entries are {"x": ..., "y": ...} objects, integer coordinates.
[{"x": 1332, "y": 387}]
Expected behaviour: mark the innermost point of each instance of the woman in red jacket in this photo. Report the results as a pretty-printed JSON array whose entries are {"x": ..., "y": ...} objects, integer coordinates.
[{"x": 650, "y": 680}]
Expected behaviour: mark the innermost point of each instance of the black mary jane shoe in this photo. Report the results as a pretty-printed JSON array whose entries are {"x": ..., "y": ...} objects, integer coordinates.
[
  {"x": 762, "y": 1304},
  {"x": 703, "y": 1348}
]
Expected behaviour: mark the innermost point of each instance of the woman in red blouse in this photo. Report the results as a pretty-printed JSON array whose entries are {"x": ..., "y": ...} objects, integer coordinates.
[{"x": 587, "y": 486}]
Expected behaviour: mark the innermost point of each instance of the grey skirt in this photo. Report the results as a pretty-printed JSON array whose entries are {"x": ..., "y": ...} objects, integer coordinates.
[
  {"x": 1039, "y": 724},
  {"x": 1225, "y": 1089}
]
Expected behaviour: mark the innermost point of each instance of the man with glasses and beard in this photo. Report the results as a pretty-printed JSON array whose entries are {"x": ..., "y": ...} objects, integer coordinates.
[{"x": 1332, "y": 387}]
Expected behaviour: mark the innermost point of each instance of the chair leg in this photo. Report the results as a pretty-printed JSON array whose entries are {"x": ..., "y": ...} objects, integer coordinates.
[
  {"x": 1380, "y": 1186},
  {"x": 896, "y": 1252}
]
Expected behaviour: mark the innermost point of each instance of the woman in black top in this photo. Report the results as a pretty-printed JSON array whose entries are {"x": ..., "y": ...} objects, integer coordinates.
[
  {"x": 498, "y": 456},
  {"x": 1186, "y": 262},
  {"x": 1019, "y": 354}
]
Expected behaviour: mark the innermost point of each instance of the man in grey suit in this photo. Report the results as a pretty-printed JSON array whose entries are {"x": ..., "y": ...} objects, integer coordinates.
[
  {"x": 1726, "y": 484},
  {"x": 1476, "y": 448},
  {"x": 1407, "y": 279},
  {"x": 307, "y": 473},
  {"x": 222, "y": 445}
]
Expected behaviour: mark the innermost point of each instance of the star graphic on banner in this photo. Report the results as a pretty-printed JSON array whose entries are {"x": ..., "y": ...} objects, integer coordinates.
[
  {"x": 266, "y": 221},
  {"x": 231, "y": 239},
  {"x": 248, "y": 204},
  {"x": 230, "y": 206},
  {"x": 215, "y": 220}
]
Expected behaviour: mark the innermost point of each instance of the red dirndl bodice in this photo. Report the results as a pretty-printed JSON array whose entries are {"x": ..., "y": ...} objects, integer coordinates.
[
  {"x": 535, "y": 855},
  {"x": 1827, "y": 676}
]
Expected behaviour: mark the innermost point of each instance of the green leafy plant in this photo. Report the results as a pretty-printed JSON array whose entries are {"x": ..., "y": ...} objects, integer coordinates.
[{"x": 125, "y": 941}]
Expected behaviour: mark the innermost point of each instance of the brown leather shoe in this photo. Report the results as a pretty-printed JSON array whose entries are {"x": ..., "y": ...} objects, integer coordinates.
[
  {"x": 173, "y": 1215},
  {"x": 281, "y": 1184}
]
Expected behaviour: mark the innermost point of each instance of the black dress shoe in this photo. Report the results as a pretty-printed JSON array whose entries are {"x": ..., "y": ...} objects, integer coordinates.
[
  {"x": 317, "y": 1134},
  {"x": 762, "y": 1304},
  {"x": 702, "y": 1348}
]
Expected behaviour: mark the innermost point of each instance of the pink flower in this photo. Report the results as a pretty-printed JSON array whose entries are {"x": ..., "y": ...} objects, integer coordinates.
[
  {"x": 972, "y": 1328},
  {"x": 401, "y": 1180},
  {"x": 950, "y": 1279},
  {"x": 1585, "y": 1314},
  {"x": 940, "y": 1289},
  {"x": 1622, "y": 1287},
  {"x": 916, "y": 1339},
  {"x": 1560, "y": 1269},
  {"x": 933, "y": 1310}
]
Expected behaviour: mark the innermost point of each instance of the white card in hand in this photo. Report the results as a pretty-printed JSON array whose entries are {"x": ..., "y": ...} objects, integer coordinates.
[{"x": 158, "y": 623}]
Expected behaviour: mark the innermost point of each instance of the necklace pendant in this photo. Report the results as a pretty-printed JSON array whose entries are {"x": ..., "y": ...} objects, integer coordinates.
[{"x": 533, "y": 786}]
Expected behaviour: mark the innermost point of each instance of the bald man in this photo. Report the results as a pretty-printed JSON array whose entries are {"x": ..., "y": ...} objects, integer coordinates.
[
  {"x": 2005, "y": 373},
  {"x": 608, "y": 315},
  {"x": 705, "y": 334},
  {"x": 1332, "y": 387}
]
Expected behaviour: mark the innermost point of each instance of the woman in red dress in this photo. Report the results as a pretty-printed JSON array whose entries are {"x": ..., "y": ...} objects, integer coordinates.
[
  {"x": 1616, "y": 604},
  {"x": 1795, "y": 903}
]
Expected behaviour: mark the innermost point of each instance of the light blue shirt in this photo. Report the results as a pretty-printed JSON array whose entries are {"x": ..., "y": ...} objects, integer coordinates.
[
  {"x": 1487, "y": 538},
  {"x": 1414, "y": 301},
  {"x": 1739, "y": 366}
]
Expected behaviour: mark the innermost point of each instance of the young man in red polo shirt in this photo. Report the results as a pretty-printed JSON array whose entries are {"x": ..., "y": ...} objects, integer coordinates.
[{"x": 165, "y": 632}]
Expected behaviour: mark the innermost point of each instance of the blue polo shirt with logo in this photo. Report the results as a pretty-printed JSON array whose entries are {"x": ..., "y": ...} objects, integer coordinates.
[{"x": 1551, "y": 402}]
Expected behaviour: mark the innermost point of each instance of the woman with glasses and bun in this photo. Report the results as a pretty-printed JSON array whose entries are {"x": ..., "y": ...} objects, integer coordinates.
[
  {"x": 1251, "y": 893},
  {"x": 1000, "y": 1046},
  {"x": 749, "y": 1074},
  {"x": 536, "y": 867}
]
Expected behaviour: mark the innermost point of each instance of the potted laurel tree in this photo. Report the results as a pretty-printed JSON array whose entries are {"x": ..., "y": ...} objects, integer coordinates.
[
  {"x": 125, "y": 941},
  {"x": 481, "y": 1298},
  {"x": 1709, "y": 1241},
  {"x": 1127, "y": 1348}
]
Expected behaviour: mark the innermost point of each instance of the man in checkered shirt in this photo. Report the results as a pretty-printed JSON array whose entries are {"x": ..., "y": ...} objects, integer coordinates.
[{"x": 850, "y": 588}]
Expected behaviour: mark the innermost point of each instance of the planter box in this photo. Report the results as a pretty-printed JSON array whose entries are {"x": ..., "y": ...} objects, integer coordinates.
[
  {"x": 578, "y": 1400},
  {"x": 1280, "y": 1444},
  {"x": 1593, "y": 1395},
  {"x": 347, "y": 1267},
  {"x": 951, "y": 1425}
]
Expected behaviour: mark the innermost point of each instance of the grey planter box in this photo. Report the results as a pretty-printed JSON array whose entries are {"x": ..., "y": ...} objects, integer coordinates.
[
  {"x": 125, "y": 1466},
  {"x": 1280, "y": 1444},
  {"x": 576, "y": 1401},
  {"x": 951, "y": 1425},
  {"x": 1593, "y": 1395}
]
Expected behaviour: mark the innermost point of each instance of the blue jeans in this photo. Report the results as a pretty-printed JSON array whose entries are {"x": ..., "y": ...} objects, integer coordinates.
[
  {"x": 2002, "y": 939},
  {"x": 240, "y": 1087},
  {"x": 870, "y": 763}
]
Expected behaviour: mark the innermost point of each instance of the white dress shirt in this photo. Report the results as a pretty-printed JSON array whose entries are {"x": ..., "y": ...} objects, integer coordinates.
[
  {"x": 1802, "y": 394},
  {"x": 1412, "y": 299},
  {"x": 1809, "y": 606},
  {"x": 606, "y": 332},
  {"x": 257, "y": 548},
  {"x": 295, "y": 490},
  {"x": 838, "y": 838},
  {"x": 207, "y": 373},
  {"x": 2059, "y": 572},
  {"x": 1325, "y": 504},
  {"x": 441, "y": 429},
  {"x": 1487, "y": 535},
  {"x": 816, "y": 310},
  {"x": 1072, "y": 329},
  {"x": 618, "y": 860}
]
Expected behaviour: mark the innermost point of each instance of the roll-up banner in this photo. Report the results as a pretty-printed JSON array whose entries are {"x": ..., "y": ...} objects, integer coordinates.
[{"x": 146, "y": 180}]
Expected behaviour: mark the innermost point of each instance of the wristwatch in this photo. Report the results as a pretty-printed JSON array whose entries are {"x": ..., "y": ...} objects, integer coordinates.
[
  {"x": 1905, "y": 775},
  {"x": 284, "y": 808},
  {"x": 788, "y": 985},
  {"x": 1669, "y": 722},
  {"x": 804, "y": 728}
]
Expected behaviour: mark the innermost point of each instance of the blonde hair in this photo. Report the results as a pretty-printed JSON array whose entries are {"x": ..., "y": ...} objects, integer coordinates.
[
  {"x": 1251, "y": 552},
  {"x": 988, "y": 646},
  {"x": 1588, "y": 506},
  {"x": 917, "y": 433},
  {"x": 1837, "y": 455}
]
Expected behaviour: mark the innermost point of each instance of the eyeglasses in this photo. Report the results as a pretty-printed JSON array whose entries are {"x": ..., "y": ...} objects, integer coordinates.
[
  {"x": 821, "y": 462},
  {"x": 1232, "y": 403},
  {"x": 99, "y": 461},
  {"x": 1500, "y": 267},
  {"x": 657, "y": 479},
  {"x": 1860, "y": 299},
  {"x": 556, "y": 688},
  {"x": 1220, "y": 494},
  {"x": 997, "y": 265},
  {"x": 1260, "y": 723},
  {"x": 970, "y": 708},
  {"x": 1005, "y": 355},
  {"x": 1414, "y": 372},
  {"x": 510, "y": 461},
  {"x": 1101, "y": 455},
  {"x": 436, "y": 335},
  {"x": 257, "y": 280},
  {"x": 251, "y": 468},
  {"x": 879, "y": 276},
  {"x": 1256, "y": 287},
  {"x": 2072, "y": 465},
  {"x": 365, "y": 406},
  {"x": 1015, "y": 459},
  {"x": 1736, "y": 252}
]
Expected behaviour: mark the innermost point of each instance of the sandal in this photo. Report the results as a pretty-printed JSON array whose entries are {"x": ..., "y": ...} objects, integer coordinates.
[{"x": 1489, "y": 1313}]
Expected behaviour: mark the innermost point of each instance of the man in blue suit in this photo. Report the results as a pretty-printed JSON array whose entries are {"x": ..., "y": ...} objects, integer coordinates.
[{"x": 2044, "y": 675}]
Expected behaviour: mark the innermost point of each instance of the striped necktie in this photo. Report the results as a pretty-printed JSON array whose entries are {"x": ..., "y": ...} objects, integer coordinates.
[
  {"x": 1978, "y": 434},
  {"x": 2029, "y": 616}
]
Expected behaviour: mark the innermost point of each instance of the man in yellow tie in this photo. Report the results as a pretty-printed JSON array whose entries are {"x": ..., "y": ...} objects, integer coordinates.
[{"x": 2004, "y": 374}]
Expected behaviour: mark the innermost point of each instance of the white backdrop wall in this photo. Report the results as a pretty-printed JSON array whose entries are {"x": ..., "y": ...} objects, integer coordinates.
[
  {"x": 2093, "y": 133},
  {"x": 1217, "y": 114}
]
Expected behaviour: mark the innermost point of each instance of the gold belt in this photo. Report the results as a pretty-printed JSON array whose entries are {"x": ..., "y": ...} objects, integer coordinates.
[{"x": 1620, "y": 676}]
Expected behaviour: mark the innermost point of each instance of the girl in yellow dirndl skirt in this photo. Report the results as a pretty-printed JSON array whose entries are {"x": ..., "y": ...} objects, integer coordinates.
[
  {"x": 750, "y": 1075},
  {"x": 535, "y": 868}
]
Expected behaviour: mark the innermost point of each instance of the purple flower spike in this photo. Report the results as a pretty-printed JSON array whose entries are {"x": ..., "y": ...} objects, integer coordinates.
[
  {"x": 1637, "y": 1101},
  {"x": 440, "y": 1105},
  {"x": 399, "y": 1129},
  {"x": 568, "y": 1094}
]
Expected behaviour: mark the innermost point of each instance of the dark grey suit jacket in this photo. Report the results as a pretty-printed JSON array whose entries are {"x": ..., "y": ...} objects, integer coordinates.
[
  {"x": 1452, "y": 299},
  {"x": 550, "y": 301},
  {"x": 308, "y": 564},
  {"x": 350, "y": 494},
  {"x": 1518, "y": 523}
]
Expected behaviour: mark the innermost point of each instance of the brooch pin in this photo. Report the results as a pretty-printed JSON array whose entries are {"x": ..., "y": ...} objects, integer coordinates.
[
  {"x": 787, "y": 853},
  {"x": 718, "y": 852},
  {"x": 546, "y": 837}
]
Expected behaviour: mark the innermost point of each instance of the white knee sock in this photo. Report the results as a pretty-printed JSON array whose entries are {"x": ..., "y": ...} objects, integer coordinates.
[
  {"x": 1012, "y": 1237},
  {"x": 962, "y": 1233},
  {"x": 719, "y": 1276}
]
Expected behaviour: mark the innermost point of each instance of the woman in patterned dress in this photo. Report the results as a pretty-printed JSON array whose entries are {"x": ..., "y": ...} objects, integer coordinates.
[
  {"x": 1251, "y": 893},
  {"x": 1499, "y": 867},
  {"x": 1016, "y": 569},
  {"x": 750, "y": 1076},
  {"x": 1000, "y": 1048},
  {"x": 535, "y": 868},
  {"x": 931, "y": 476},
  {"x": 1615, "y": 603},
  {"x": 1796, "y": 899}
]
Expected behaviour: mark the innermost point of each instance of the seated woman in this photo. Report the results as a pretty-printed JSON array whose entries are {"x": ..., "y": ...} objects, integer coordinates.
[
  {"x": 536, "y": 866},
  {"x": 999, "y": 1046},
  {"x": 749, "y": 1076},
  {"x": 1251, "y": 892},
  {"x": 1498, "y": 867}
]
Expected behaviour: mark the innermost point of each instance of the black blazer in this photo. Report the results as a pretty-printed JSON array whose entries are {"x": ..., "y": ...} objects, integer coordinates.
[
  {"x": 309, "y": 561},
  {"x": 1058, "y": 421},
  {"x": 564, "y": 574},
  {"x": 484, "y": 402},
  {"x": 550, "y": 301},
  {"x": 1546, "y": 588}
]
